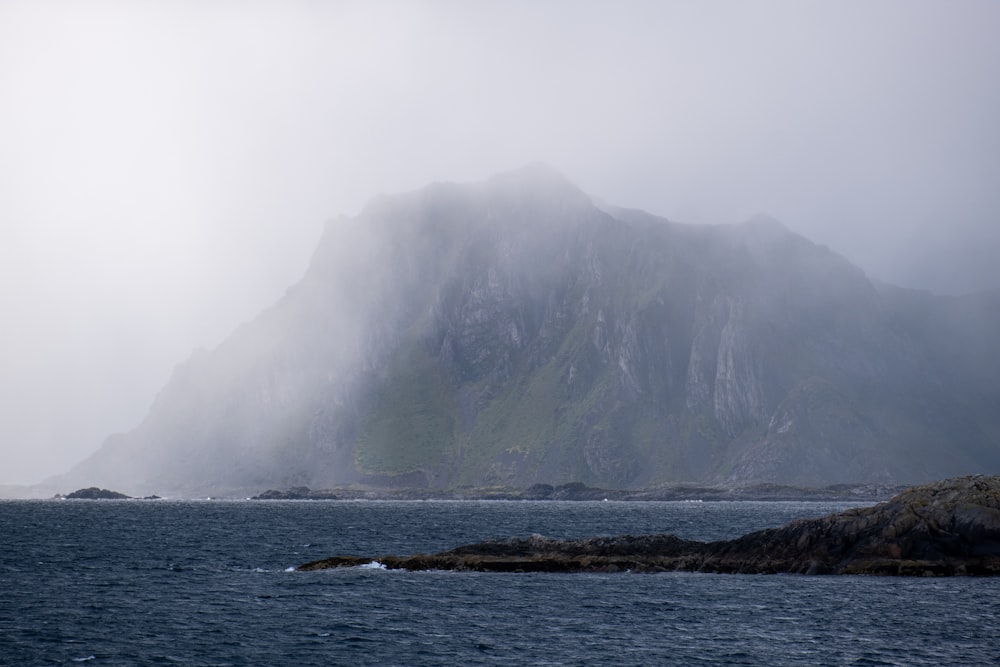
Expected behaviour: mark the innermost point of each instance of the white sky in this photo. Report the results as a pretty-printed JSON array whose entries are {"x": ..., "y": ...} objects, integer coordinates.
[{"x": 166, "y": 167}]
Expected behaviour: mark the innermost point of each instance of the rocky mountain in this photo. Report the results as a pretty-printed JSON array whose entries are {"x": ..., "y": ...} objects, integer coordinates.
[{"x": 513, "y": 332}]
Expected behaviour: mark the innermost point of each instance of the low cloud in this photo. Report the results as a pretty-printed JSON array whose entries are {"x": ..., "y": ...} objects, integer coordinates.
[{"x": 167, "y": 168}]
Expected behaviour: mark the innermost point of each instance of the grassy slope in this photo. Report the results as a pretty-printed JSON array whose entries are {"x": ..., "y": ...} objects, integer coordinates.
[{"x": 413, "y": 416}]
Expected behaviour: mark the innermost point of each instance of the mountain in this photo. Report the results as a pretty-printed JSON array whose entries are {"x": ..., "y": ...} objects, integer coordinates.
[{"x": 513, "y": 332}]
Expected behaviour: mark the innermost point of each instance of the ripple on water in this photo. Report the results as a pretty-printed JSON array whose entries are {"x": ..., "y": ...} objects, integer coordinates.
[{"x": 207, "y": 583}]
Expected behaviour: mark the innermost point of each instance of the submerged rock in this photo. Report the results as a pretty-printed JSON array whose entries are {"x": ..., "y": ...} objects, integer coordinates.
[{"x": 951, "y": 527}]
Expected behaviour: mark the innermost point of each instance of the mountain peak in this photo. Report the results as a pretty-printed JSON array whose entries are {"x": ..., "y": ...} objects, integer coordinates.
[
  {"x": 535, "y": 171},
  {"x": 534, "y": 178},
  {"x": 506, "y": 332},
  {"x": 534, "y": 182},
  {"x": 765, "y": 221}
]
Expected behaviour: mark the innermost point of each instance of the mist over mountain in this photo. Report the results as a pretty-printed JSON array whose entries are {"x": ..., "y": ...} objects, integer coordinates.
[{"x": 513, "y": 331}]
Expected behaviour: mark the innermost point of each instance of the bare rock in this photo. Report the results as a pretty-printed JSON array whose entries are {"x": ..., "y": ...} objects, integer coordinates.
[
  {"x": 951, "y": 527},
  {"x": 95, "y": 493}
]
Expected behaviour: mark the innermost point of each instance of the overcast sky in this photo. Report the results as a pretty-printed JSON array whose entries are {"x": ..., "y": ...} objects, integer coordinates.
[{"x": 166, "y": 167}]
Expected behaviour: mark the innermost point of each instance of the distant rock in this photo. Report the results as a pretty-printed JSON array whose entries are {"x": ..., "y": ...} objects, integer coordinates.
[
  {"x": 94, "y": 493},
  {"x": 295, "y": 493},
  {"x": 950, "y": 527},
  {"x": 577, "y": 491}
]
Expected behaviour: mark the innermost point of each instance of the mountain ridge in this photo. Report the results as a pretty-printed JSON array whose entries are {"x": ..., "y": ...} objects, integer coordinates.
[{"x": 512, "y": 332}]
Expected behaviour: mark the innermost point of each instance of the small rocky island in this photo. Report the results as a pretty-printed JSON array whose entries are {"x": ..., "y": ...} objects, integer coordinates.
[
  {"x": 951, "y": 527},
  {"x": 96, "y": 493}
]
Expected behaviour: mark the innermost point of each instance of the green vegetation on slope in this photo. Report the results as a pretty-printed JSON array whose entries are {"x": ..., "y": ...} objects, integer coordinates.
[{"x": 412, "y": 419}]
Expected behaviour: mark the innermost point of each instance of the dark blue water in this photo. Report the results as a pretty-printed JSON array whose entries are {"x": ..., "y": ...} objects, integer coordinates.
[{"x": 206, "y": 583}]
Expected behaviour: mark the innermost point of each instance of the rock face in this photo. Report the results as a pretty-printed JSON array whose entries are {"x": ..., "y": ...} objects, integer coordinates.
[
  {"x": 951, "y": 527},
  {"x": 512, "y": 333}
]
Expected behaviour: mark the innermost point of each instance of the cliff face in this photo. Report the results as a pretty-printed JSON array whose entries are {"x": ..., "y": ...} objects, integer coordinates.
[{"x": 512, "y": 332}]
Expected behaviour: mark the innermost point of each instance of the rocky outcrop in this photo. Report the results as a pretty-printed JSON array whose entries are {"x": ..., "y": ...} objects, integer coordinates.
[
  {"x": 575, "y": 491},
  {"x": 950, "y": 527},
  {"x": 296, "y": 493},
  {"x": 95, "y": 493}
]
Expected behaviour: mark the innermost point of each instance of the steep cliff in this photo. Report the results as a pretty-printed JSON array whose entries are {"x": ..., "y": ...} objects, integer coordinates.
[{"x": 511, "y": 332}]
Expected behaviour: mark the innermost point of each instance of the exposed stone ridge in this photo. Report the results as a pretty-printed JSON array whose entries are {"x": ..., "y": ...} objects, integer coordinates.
[{"x": 951, "y": 527}]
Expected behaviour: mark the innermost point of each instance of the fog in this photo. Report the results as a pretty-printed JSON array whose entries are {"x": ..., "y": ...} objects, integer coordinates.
[{"x": 166, "y": 168}]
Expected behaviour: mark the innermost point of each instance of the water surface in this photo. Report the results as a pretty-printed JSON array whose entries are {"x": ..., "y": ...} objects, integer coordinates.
[{"x": 208, "y": 583}]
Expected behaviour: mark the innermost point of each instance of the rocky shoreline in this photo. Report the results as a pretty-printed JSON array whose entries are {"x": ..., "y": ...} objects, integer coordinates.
[
  {"x": 951, "y": 527},
  {"x": 577, "y": 491}
]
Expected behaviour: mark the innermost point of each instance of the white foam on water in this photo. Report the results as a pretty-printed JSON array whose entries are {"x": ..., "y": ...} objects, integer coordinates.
[
  {"x": 374, "y": 565},
  {"x": 89, "y": 657}
]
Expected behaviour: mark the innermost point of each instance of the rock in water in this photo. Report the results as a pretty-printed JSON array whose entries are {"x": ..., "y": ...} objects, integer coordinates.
[
  {"x": 951, "y": 527},
  {"x": 94, "y": 493}
]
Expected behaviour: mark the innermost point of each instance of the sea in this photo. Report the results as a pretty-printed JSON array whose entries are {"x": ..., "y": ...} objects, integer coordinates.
[{"x": 213, "y": 582}]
